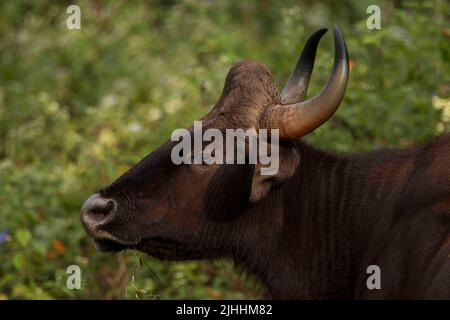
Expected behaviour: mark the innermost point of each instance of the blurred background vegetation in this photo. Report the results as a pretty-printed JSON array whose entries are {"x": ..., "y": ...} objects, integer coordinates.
[{"x": 79, "y": 107}]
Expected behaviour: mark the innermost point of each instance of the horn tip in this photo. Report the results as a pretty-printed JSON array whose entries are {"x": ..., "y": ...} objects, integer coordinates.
[
  {"x": 337, "y": 33},
  {"x": 336, "y": 29},
  {"x": 319, "y": 33},
  {"x": 340, "y": 46}
]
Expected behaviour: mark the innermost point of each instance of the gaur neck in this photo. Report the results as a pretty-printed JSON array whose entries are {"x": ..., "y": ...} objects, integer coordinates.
[{"x": 326, "y": 209}]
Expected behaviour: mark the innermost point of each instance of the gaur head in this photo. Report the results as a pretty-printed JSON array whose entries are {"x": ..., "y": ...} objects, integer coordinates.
[{"x": 192, "y": 211}]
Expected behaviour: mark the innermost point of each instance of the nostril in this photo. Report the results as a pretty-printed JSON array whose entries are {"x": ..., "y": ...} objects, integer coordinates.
[
  {"x": 97, "y": 209},
  {"x": 102, "y": 208}
]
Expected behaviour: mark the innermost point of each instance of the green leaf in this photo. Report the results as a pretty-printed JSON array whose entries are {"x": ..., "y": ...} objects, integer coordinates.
[{"x": 23, "y": 237}]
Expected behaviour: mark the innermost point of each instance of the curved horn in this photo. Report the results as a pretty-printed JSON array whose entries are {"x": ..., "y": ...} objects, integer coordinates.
[
  {"x": 297, "y": 85},
  {"x": 297, "y": 119}
]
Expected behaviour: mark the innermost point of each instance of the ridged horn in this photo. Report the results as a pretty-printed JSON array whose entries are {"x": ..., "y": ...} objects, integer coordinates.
[{"x": 297, "y": 119}]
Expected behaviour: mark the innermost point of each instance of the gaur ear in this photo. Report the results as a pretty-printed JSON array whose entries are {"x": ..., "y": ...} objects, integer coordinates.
[
  {"x": 263, "y": 184},
  {"x": 228, "y": 191}
]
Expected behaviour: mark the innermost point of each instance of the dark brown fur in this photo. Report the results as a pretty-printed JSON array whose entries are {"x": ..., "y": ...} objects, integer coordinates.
[{"x": 324, "y": 220}]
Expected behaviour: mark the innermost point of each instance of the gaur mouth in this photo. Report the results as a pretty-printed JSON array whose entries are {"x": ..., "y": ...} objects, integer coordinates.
[
  {"x": 108, "y": 245},
  {"x": 113, "y": 245},
  {"x": 160, "y": 248},
  {"x": 104, "y": 245},
  {"x": 169, "y": 250}
]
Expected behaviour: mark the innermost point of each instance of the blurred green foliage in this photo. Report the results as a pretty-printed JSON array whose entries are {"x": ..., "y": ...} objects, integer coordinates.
[{"x": 79, "y": 107}]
